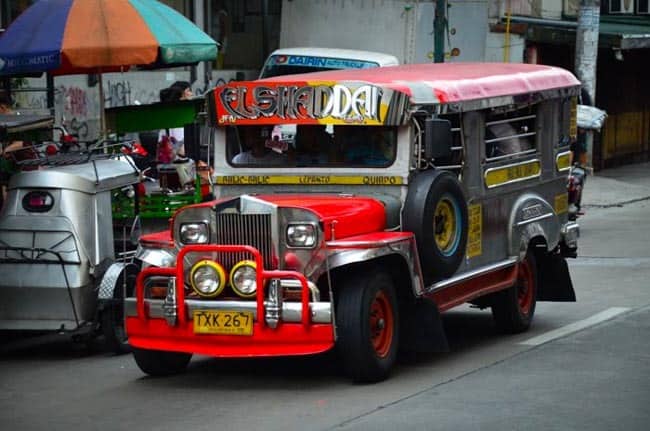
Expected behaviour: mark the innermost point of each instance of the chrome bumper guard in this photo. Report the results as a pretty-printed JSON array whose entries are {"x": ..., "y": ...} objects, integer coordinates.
[{"x": 570, "y": 234}]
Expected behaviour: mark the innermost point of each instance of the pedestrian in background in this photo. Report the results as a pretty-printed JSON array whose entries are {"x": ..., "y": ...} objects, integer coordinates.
[{"x": 173, "y": 138}]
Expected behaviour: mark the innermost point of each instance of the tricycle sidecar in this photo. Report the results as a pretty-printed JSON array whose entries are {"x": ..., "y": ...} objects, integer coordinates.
[{"x": 56, "y": 243}]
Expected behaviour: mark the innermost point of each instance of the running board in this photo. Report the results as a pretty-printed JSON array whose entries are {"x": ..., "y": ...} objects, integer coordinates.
[{"x": 472, "y": 284}]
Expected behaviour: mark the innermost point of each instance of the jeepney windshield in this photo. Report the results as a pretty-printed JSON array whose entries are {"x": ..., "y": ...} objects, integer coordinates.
[{"x": 291, "y": 145}]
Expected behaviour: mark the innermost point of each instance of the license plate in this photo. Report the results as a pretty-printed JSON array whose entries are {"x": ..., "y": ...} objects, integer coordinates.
[{"x": 223, "y": 322}]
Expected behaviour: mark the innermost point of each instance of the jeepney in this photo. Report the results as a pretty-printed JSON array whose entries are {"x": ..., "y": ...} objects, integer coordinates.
[{"x": 405, "y": 192}]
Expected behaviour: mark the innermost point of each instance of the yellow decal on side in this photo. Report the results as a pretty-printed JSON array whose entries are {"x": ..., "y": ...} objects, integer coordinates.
[
  {"x": 512, "y": 173},
  {"x": 475, "y": 232},
  {"x": 371, "y": 180},
  {"x": 561, "y": 203},
  {"x": 563, "y": 161}
]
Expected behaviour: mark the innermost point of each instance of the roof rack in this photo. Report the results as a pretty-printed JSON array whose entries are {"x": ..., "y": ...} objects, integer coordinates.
[{"x": 99, "y": 151}]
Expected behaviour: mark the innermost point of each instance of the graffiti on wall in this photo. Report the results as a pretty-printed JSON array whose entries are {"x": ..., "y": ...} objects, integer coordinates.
[{"x": 76, "y": 104}]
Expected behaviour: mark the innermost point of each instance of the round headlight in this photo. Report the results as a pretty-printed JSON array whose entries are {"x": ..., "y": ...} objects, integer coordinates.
[
  {"x": 301, "y": 235},
  {"x": 243, "y": 278},
  {"x": 208, "y": 278},
  {"x": 194, "y": 233}
]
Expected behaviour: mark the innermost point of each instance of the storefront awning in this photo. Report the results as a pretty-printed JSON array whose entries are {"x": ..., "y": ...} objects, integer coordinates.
[{"x": 615, "y": 32}]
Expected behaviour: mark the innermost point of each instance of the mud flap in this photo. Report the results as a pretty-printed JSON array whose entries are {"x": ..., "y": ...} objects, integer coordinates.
[
  {"x": 421, "y": 329},
  {"x": 554, "y": 278}
]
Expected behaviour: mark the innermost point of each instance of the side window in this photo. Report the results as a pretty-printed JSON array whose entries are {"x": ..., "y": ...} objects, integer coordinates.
[
  {"x": 566, "y": 111},
  {"x": 510, "y": 133}
]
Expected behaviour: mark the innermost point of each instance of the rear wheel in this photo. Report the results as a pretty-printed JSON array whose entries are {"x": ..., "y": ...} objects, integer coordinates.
[
  {"x": 513, "y": 309},
  {"x": 160, "y": 363},
  {"x": 367, "y": 326}
]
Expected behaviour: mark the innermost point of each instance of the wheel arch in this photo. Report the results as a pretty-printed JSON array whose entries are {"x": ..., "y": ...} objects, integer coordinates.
[
  {"x": 421, "y": 328},
  {"x": 406, "y": 287},
  {"x": 400, "y": 256},
  {"x": 111, "y": 277},
  {"x": 532, "y": 221}
]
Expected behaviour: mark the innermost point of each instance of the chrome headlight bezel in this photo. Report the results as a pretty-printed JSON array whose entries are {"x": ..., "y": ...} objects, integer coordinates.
[
  {"x": 248, "y": 270},
  {"x": 194, "y": 233},
  {"x": 301, "y": 235},
  {"x": 211, "y": 272}
]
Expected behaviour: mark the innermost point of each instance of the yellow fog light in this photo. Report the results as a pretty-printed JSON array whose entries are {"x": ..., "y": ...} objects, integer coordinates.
[
  {"x": 243, "y": 278},
  {"x": 208, "y": 278}
]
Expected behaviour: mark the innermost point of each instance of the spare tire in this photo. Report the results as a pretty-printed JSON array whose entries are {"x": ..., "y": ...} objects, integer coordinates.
[{"x": 436, "y": 212}]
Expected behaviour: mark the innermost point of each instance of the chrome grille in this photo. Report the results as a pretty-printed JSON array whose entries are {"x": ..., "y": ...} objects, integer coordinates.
[{"x": 244, "y": 229}]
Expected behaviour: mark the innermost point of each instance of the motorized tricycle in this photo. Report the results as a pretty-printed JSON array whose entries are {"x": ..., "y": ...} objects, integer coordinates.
[
  {"x": 57, "y": 245},
  {"x": 71, "y": 222}
]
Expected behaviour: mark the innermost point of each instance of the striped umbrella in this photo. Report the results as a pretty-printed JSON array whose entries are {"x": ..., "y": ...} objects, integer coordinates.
[{"x": 94, "y": 36}]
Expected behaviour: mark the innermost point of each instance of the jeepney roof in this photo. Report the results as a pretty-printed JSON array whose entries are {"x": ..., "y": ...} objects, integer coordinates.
[
  {"x": 93, "y": 176},
  {"x": 448, "y": 83}
]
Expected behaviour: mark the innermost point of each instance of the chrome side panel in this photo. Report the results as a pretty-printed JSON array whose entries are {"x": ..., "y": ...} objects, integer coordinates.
[
  {"x": 47, "y": 308},
  {"x": 87, "y": 216}
]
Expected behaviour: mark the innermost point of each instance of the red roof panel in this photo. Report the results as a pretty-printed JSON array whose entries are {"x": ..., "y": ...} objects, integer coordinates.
[{"x": 451, "y": 82}]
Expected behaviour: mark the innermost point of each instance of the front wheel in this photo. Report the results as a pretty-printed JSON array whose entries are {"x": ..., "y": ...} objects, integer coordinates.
[
  {"x": 513, "y": 309},
  {"x": 367, "y": 326},
  {"x": 160, "y": 363}
]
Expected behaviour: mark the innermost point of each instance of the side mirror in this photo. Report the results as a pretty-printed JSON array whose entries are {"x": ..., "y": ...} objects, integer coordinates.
[{"x": 437, "y": 138}]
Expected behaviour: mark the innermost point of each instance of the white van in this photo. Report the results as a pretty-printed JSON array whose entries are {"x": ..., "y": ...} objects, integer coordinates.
[{"x": 289, "y": 61}]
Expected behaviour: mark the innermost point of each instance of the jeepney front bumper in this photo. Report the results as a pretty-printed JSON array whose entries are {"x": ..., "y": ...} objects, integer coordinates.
[{"x": 270, "y": 326}]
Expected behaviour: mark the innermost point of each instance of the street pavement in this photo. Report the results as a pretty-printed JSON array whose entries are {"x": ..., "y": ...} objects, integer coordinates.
[
  {"x": 617, "y": 186},
  {"x": 582, "y": 366},
  {"x": 594, "y": 376}
]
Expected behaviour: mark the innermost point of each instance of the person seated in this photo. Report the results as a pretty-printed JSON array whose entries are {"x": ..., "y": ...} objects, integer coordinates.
[
  {"x": 313, "y": 144},
  {"x": 365, "y": 146},
  {"x": 260, "y": 151}
]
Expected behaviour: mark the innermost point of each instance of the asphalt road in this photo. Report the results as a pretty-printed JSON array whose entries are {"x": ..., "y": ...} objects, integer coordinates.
[{"x": 583, "y": 365}]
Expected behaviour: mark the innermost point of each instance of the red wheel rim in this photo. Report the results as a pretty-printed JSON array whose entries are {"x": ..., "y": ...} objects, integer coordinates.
[
  {"x": 381, "y": 324},
  {"x": 525, "y": 287}
]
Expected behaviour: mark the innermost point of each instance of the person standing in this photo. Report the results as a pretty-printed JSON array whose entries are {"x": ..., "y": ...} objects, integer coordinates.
[{"x": 179, "y": 90}]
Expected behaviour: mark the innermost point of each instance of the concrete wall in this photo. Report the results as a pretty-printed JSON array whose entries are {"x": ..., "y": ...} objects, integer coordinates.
[
  {"x": 401, "y": 28},
  {"x": 549, "y": 9},
  {"x": 77, "y": 104}
]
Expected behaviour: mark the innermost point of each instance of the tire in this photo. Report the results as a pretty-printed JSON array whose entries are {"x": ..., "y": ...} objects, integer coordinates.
[
  {"x": 436, "y": 212},
  {"x": 112, "y": 316},
  {"x": 513, "y": 309},
  {"x": 367, "y": 326},
  {"x": 160, "y": 363}
]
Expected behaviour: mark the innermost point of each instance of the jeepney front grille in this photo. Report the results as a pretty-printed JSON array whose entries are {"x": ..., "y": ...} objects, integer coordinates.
[{"x": 245, "y": 229}]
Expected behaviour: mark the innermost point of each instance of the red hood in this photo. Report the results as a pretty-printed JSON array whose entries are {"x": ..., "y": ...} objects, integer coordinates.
[{"x": 353, "y": 215}]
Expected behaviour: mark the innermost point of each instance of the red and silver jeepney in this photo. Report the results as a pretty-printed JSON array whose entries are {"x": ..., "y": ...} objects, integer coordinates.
[{"x": 406, "y": 191}]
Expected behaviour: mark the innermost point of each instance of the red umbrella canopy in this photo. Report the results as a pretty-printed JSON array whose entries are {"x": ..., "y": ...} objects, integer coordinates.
[{"x": 91, "y": 36}]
